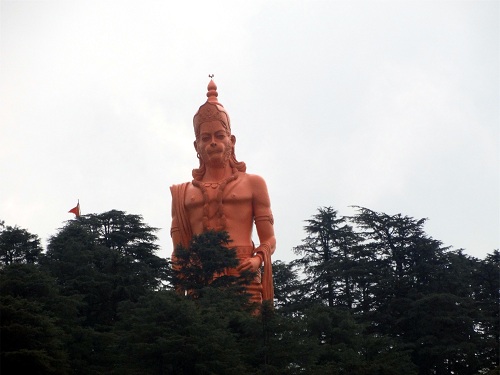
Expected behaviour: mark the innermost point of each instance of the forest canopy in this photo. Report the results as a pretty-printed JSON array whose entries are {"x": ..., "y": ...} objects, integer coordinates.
[{"x": 367, "y": 294}]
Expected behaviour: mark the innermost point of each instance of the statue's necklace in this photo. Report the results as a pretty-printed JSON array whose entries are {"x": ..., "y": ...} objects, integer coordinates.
[{"x": 221, "y": 225}]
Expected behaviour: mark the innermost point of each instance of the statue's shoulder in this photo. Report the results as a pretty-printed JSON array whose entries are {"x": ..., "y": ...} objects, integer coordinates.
[
  {"x": 253, "y": 179},
  {"x": 181, "y": 184},
  {"x": 179, "y": 188}
]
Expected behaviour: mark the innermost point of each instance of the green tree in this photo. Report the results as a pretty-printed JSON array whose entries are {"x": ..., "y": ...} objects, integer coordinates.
[
  {"x": 204, "y": 264},
  {"x": 133, "y": 240},
  {"x": 81, "y": 267},
  {"x": 166, "y": 333},
  {"x": 486, "y": 294},
  {"x": 421, "y": 293},
  {"x": 327, "y": 258},
  {"x": 286, "y": 346},
  {"x": 33, "y": 316},
  {"x": 288, "y": 289},
  {"x": 207, "y": 329},
  {"x": 440, "y": 328},
  {"x": 344, "y": 347},
  {"x": 98, "y": 278},
  {"x": 17, "y": 245},
  {"x": 404, "y": 263},
  {"x": 105, "y": 259}
]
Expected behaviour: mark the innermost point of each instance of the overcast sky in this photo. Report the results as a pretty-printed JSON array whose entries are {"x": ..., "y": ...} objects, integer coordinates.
[{"x": 389, "y": 105}]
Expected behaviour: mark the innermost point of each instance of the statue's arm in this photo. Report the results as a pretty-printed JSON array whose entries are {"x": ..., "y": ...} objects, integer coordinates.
[
  {"x": 263, "y": 216},
  {"x": 264, "y": 223}
]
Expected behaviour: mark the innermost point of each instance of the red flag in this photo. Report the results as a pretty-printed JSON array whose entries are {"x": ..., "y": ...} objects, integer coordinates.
[{"x": 76, "y": 210}]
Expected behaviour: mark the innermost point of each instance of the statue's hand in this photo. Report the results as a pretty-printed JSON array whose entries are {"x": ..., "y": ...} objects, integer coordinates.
[{"x": 251, "y": 264}]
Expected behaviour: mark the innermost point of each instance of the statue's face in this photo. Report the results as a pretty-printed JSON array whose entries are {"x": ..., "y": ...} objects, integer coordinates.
[{"x": 214, "y": 145}]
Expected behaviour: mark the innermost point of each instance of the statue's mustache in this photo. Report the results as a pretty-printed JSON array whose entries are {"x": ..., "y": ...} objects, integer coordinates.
[{"x": 214, "y": 151}]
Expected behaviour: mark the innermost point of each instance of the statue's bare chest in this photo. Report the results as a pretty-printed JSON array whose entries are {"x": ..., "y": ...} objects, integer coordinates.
[{"x": 215, "y": 194}]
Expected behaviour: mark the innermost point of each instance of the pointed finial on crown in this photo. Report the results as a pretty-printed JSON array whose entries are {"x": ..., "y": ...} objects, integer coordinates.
[
  {"x": 212, "y": 93},
  {"x": 211, "y": 110}
]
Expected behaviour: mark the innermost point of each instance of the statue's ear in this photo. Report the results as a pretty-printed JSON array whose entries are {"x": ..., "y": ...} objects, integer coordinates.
[
  {"x": 196, "y": 148},
  {"x": 233, "y": 139}
]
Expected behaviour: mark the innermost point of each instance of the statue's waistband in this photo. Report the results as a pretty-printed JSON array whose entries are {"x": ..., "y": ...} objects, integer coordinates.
[{"x": 243, "y": 252}]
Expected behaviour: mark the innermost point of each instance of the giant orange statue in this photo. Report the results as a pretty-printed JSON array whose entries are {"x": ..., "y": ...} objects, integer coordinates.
[{"x": 222, "y": 196}]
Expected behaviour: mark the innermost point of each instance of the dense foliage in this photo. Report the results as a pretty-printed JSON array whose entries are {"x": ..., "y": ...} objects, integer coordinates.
[{"x": 367, "y": 294}]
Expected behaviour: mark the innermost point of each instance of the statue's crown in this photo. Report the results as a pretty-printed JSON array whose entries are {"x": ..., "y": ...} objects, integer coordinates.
[{"x": 212, "y": 110}]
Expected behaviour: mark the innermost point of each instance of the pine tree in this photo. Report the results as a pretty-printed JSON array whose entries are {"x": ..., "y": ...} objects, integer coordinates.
[
  {"x": 33, "y": 318},
  {"x": 17, "y": 245},
  {"x": 327, "y": 258}
]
